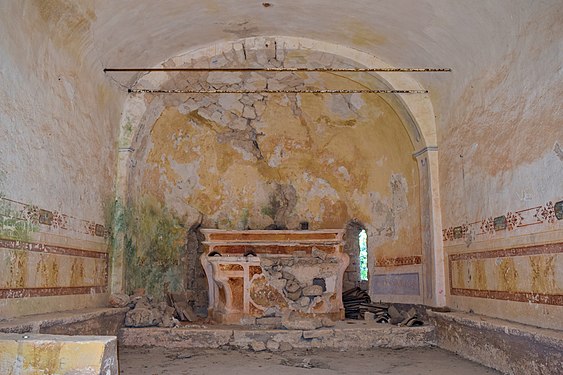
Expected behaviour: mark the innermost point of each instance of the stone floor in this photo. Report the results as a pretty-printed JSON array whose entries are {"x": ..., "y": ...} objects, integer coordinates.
[{"x": 411, "y": 361}]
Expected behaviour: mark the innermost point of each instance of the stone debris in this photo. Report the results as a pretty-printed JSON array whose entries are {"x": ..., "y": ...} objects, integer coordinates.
[
  {"x": 318, "y": 253},
  {"x": 258, "y": 346},
  {"x": 292, "y": 286},
  {"x": 248, "y": 321},
  {"x": 273, "y": 346},
  {"x": 358, "y": 305},
  {"x": 180, "y": 303},
  {"x": 147, "y": 313},
  {"x": 285, "y": 346},
  {"x": 272, "y": 321},
  {"x": 119, "y": 300}
]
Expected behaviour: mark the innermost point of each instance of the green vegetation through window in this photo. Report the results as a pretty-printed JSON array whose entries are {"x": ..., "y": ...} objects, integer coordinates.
[{"x": 363, "y": 239}]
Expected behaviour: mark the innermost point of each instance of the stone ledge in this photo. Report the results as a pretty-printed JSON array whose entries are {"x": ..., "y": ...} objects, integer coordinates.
[
  {"x": 97, "y": 321},
  {"x": 360, "y": 335},
  {"x": 511, "y": 348}
]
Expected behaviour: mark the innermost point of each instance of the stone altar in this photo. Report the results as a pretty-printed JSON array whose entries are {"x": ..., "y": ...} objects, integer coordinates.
[{"x": 258, "y": 273}]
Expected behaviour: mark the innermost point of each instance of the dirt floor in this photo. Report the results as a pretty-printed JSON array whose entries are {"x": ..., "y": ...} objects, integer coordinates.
[{"x": 421, "y": 361}]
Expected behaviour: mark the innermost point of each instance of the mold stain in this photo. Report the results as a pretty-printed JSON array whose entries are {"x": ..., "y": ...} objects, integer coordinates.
[
  {"x": 478, "y": 275},
  {"x": 18, "y": 269},
  {"x": 47, "y": 270},
  {"x": 77, "y": 272},
  {"x": 71, "y": 22},
  {"x": 154, "y": 240},
  {"x": 43, "y": 356},
  {"x": 508, "y": 276},
  {"x": 543, "y": 273},
  {"x": 460, "y": 272}
]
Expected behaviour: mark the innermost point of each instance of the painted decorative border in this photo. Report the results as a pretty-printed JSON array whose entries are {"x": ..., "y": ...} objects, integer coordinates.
[
  {"x": 548, "y": 213},
  {"x": 540, "y": 298},
  {"x": 545, "y": 299},
  {"x": 48, "y": 249},
  {"x": 50, "y": 292},
  {"x": 54, "y": 291},
  {"x": 399, "y": 261},
  {"x": 32, "y": 216}
]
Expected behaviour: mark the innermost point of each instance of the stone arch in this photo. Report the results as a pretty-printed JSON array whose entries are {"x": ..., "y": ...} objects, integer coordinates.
[{"x": 415, "y": 112}]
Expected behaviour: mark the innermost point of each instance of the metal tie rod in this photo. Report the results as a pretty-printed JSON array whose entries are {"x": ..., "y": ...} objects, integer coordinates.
[
  {"x": 159, "y": 91},
  {"x": 352, "y": 70}
]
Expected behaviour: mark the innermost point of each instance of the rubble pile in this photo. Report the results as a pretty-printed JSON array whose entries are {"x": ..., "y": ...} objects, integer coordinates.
[
  {"x": 358, "y": 305},
  {"x": 145, "y": 312}
]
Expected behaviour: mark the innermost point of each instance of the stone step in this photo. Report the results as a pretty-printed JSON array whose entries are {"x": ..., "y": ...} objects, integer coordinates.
[{"x": 345, "y": 335}]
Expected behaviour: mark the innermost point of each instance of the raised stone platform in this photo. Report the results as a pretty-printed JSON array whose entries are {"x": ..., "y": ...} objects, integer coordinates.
[
  {"x": 511, "y": 348},
  {"x": 95, "y": 321},
  {"x": 344, "y": 335}
]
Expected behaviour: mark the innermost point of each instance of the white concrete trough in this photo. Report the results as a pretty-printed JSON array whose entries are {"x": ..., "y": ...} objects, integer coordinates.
[{"x": 26, "y": 354}]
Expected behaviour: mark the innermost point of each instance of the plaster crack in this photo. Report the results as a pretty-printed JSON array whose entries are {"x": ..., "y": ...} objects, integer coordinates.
[{"x": 558, "y": 151}]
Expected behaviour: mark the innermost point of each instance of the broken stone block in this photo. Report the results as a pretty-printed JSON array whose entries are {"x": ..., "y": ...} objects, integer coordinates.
[
  {"x": 304, "y": 301},
  {"x": 168, "y": 320},
  {"x": 285, "y": 346},
  {"x": 313, "y": 291},
  {"x": 287, "y": 275},
  {"x": 269, "y": 321},
  {"x": 318, "y": 253},
  {"x": 295, "y": 295},
  {"x": 266, "y": 262},
  {"x": 302, "y": 324},
  {"x": 270, "y": 311},
  {"x": 248, "y": 321},
  {"x": 279, "y": 284},
  {"x": 119, "y": 300},
  {"x": 369, "y": 316},
  {"x": 142, "y": 317},
  {"x": 320, "y": 282},
  {"x": 272, "y": 345},
  {"x": 327, "y": 322},
  {"x": 395, "y": 315},
  {"x": 318, "y": 333},
  {"x": 293, "y": 286},
  {"x": 288, "y": 262},
  {"x": 141, "y": 302},
  {"x": 258, "y": 346}
]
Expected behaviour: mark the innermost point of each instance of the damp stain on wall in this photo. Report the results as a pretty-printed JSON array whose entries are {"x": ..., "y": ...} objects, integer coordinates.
[
  {"x": 508, "y": 275},
  {"x": 154, "y": 241},
  {"x": 543, "y": 273}
]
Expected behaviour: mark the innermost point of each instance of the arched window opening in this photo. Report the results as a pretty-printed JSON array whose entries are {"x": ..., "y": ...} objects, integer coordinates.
[{"x": 363, "y": 241}]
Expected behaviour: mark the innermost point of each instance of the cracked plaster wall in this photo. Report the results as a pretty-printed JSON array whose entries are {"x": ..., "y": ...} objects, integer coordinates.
[
  {"x": 251, "y": 160},
  {"x": 57, "y": 154},
  {"x": 503, "y": 159}
]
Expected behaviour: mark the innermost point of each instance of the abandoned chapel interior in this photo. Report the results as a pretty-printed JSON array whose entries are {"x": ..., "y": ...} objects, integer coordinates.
[{"x": 287, "y": 187}]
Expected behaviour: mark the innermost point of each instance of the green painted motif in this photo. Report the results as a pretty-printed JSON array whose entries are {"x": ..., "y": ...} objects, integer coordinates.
[{"x": 13, "y": 225}]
